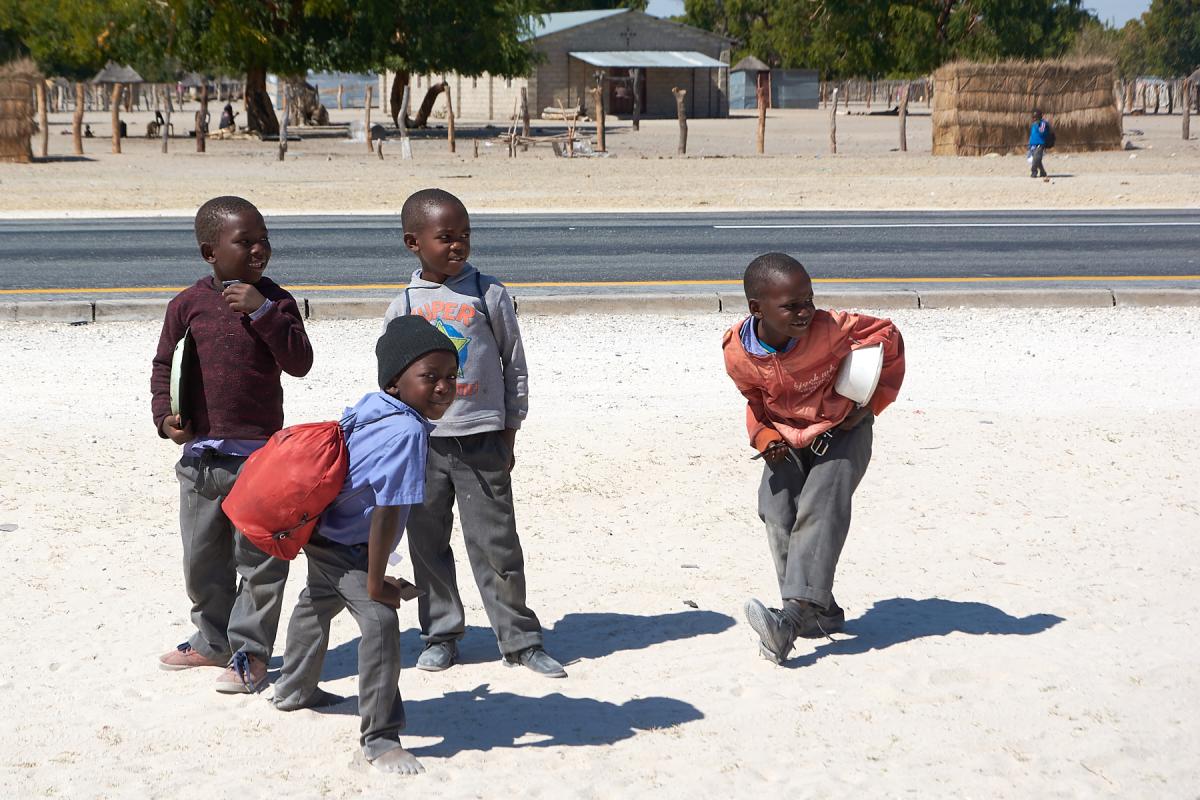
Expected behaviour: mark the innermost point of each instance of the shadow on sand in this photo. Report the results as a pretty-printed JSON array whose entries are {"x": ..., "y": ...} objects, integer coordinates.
[
  {"x": 574, "y": 637},
  {"x": 903, "y": 619}
]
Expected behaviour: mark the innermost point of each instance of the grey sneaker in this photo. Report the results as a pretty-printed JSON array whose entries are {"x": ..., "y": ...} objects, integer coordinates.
[
  {"x": 775, "y": 631},
  {"x": 824, "y": 623},
  {"x": 537, "y": 660},
  {"x": 437, "y": 656}
]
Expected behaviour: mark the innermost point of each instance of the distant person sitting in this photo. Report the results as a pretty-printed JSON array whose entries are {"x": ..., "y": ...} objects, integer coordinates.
[
  {"x": 228, "y": 117},
  {"x": 87, "y": 132},
  {"x": 1041, "y": 136}
]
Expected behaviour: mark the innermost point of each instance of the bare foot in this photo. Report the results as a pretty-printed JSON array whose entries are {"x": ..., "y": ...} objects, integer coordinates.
[
  {"x": 398, "y": 761},
  {"x": 319, "y": 699}
]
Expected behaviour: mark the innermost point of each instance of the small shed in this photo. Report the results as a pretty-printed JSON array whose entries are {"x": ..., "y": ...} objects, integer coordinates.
[
  {"x": 986, "y": 108},
  {"x": 743, "y": 82},
  {"x": 18, "y": 80},
  {"x": 786, "y": 88}
]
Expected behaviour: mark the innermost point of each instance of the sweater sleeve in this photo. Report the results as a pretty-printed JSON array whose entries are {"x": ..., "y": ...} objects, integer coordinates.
[
  {"x": 160, "y": 370},
  {"x": 282, "y": 330},
  {"x": 512, "y": 354},
  {"x": 758, "y": 424},
  {"x": 869, "y": 331}
]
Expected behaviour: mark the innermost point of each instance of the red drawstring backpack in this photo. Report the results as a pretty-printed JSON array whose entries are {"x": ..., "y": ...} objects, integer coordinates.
[{"x": 285, "y": 486}]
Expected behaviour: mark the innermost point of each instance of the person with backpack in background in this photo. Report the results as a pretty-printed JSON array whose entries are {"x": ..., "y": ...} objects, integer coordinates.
[{"x": 1041, "y": 138}]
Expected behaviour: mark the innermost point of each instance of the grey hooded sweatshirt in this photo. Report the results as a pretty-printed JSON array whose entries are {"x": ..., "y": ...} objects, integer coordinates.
[{"x": 478, "y": 315}]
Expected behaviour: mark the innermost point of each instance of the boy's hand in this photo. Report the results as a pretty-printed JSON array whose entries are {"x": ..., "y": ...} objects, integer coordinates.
[
  {"x": 174, "y": 429},
  {"x": 387, "y": 593},
  {"x": 510, "y": 439},
  {"x": 243, "y": 298},
  {"x": 407, "y": 590},
  {"x": 854, "y": 417},
  {"x": 775, "y": 452}
]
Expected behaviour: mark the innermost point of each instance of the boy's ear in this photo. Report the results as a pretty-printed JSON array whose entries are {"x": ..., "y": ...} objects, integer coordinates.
[
  {"x": 410, "y": 241},
  {"x": 755, "y": 306},
  {"x": 207, "y": 253}
]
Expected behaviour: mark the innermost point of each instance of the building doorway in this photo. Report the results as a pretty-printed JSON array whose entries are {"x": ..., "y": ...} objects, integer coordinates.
[{"x": 620, "y": 91}]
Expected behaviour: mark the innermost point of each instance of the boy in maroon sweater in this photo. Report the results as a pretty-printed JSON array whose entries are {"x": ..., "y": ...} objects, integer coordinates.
[{"x": 246, "y": 329}]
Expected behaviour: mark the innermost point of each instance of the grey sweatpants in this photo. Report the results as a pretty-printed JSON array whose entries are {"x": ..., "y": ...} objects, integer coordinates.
[
  {"x": 473, "y": 469},
  {"x": 236, "y": 589},
  {"x": 805, "y": 502},
  {"x": 337, "y": 579}
]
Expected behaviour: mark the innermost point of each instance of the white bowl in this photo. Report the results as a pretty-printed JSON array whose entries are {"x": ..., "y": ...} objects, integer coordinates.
[{"x": 859, "y": 374}]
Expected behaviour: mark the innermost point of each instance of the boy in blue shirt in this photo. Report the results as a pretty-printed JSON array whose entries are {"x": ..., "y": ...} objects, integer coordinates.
[
  {"x": 1039, "y": 135},
  {"x": 387, "y": 439}
]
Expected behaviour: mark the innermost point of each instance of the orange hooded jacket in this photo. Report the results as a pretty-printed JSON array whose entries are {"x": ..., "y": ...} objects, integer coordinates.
[{"x": 791, "y": 395}]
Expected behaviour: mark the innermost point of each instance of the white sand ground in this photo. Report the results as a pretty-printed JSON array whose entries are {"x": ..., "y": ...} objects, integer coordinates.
[
  {"x": 720, "y": 171},
  {"x": 1020, "y": 581}
]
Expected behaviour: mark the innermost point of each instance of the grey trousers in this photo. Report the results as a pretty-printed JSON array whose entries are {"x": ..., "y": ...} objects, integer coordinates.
[
  {"x": 805, "y": 502},
  {"x": 1036, "y": 170},
  {"x": 236, "y": 589},
  {"x": 473, "y": 469},
  {"x": 337, "y": 579}
]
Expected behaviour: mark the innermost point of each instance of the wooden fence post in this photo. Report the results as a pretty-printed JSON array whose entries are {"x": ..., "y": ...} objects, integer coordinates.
[
  {"x": 904, "y": 120},
  {"x": 598, "y": 114},
  {"x": 760, "y": 94},
  {"x": 1186, "y": 97},
  {"x": 833, "y": 96},
  {"x": 681, "y": 113},
  {"x": 202, "y": 118},
  {"x": 166, "y": 128},
  {"x": 367, "y": 122},
  {"x": 525, "y": 116},
  {"x": 283, "y": 125},
  {"x": 341, "y": 92},
  {"x": 77, "y": 127},
  {"x": 450, "y": 119},
  {"x": 115, "y": 107},
  {"x": 43, "y": 119},
  {"x": 637, "y": 99}
]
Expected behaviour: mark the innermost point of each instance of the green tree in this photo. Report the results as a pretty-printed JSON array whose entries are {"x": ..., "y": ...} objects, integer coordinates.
[{"x": 1172, "y": 35}]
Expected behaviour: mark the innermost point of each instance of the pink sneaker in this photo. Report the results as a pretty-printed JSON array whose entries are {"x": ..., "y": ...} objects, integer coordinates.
[
  {"x": 184, "y": 657},
  {"x": 246, "y": 674}
]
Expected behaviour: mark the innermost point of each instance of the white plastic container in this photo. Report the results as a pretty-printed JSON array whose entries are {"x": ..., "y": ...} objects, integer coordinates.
[{"x": 858, "y": 376}]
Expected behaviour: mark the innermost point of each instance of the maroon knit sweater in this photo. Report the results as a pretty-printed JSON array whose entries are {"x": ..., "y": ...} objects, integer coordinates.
[{"x": 233, "y": 389}]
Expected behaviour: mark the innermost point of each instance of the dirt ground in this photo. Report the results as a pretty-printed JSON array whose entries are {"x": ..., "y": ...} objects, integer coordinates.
[{"x": 720, "y": 172}]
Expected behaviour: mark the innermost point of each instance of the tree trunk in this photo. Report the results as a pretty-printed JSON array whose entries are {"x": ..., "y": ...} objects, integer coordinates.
[
  {"x": 681, "y": 113},
  {"x": 399, "y": 84},
  {"x": 450, "y": 122},
  {"x": 43, "y": 119},
  {"x": 904, "y": 120},
  {"x": 1186, "y": 97},
  {"x": 760, "y": 93},
  {"x": 637, "y": 99},
  {"x": 77, "y": 126},
  {"x": 202, "y": 120},
  {"x": 283, "y": 126},
  {"x": 405, "y": 144},
  {"x": 427, "y": 105},
  {"x": 367, "y": 117},
  {"x": 260, "y": 114},
  {"x": 115, "y": 107}
]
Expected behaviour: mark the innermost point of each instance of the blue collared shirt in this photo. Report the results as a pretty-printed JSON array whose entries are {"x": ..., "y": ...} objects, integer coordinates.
[
  {"x": 756, "y": 347},
  {"x": 388, "y": 442}
]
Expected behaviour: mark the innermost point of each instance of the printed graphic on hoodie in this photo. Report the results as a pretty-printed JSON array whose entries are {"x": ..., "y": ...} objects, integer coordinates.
[
  {"x": 462, "y": 342},
  {"x": 452, "y": 319}
]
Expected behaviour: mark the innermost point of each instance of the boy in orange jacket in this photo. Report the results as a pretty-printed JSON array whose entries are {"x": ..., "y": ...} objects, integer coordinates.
[{"x": 815, "y": 444}]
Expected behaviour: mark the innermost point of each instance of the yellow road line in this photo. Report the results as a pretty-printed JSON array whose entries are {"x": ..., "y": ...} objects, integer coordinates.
[{"x": 589, "y": 284}]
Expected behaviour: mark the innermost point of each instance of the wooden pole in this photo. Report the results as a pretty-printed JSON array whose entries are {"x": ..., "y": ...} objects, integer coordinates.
[
  {"x": 1186, "y": 97},
  {"x": 341, "y": 92},
  {"x": 833, "y": 97},
  {"x": 115, "y": 107},
  {"x": 681, "y": 113},
  {"x": 761, "y": 97},
  {"x": 450, "y": 120},
  {"x": 43, "y": 118},
  {"x": 77, "y": 122},
  {"x": 904, "y": 119},
  {"x": 637, "y": 99},
  {"x": 405, "y": 144},
  {"x": 525, "y": 116},
  {"x": 283, "y": 122},
  {"x": 367, "y": 122},
  {"x": 598, "y": 113},
  {"x": 202, "y": 118},
  {"x": 166, "y": 128}
]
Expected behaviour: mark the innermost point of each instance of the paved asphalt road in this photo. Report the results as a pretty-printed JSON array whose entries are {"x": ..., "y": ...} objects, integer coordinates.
[{"x": 73, "y": 256}]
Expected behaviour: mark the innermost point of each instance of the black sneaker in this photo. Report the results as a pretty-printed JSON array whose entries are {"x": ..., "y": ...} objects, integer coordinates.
[
  {"x": 538, "y": 660},
  {"x": 438, "y": 656},
  {"x": 776, "y": 633},
  {"x": 824, "y": 623}
]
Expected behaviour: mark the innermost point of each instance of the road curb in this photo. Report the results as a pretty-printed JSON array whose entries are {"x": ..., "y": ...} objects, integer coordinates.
[{"x": 331, "y": 308}]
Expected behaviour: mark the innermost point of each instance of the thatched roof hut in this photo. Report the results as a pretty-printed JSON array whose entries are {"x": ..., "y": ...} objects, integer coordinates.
[
  {"x": 117, "y": 73},
  {"x": 17, "y": 82},
  {"x": 985, "y": 108}
]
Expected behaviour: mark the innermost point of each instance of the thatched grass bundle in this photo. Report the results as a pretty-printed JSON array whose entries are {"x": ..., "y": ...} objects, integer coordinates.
[
  {"x": 17, "y": 82},
  {"x": 986, "y": 108}
]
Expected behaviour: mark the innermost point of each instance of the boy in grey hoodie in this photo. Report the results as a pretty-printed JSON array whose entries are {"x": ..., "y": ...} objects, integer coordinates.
[{"x": 471, "y": 449}]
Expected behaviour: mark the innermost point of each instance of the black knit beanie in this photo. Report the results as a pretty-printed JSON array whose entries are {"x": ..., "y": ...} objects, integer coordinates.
[{"x": 406, "y": 339}]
